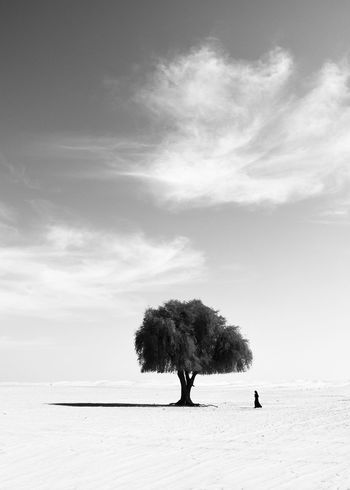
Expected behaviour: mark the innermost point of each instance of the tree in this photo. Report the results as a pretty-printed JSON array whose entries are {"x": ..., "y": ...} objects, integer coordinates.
[{"x": 189, "y": 338}]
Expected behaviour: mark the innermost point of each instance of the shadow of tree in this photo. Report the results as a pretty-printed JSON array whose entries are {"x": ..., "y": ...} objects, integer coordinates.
[{"x": 152, "y": 405}]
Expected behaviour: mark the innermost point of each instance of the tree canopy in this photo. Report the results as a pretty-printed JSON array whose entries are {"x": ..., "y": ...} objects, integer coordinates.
[{"x": 188, "y": 337}]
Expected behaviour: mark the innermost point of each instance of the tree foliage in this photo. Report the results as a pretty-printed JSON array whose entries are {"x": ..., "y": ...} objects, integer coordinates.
[{"x": 189, "y": 337}]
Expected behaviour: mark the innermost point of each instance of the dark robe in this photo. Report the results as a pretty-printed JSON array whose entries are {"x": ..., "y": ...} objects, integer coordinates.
[{"x": 256, "y": 400}]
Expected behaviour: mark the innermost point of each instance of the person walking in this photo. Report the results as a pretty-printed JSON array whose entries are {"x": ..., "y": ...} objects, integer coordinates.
[{"x": 256, "y": 400}]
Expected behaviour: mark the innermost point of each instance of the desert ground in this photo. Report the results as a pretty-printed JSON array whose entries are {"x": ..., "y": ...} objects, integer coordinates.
[{"x": 300, "y": 439}]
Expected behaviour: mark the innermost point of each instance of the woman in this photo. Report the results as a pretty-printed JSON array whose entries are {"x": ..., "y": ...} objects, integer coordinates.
[{"x": 256, "y": 400}]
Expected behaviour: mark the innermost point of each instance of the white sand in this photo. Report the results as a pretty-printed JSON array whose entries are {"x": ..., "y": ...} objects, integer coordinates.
[{"x": 299, "y": 439}]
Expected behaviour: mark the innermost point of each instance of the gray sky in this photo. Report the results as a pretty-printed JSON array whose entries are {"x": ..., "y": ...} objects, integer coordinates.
[{"x": 157, "y": 150}]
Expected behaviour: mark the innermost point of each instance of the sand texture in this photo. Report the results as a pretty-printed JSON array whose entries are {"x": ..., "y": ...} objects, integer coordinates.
[{"x": 300, "y": 439}]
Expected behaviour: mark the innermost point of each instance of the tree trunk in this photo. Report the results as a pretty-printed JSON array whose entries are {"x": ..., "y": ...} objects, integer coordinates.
[{"x": 186, "y": 385}]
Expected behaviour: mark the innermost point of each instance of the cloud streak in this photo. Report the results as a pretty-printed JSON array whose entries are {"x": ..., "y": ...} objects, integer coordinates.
[
  {"x": 6, "y": 213},
  {"x": 244, "y": 132},
  {"x": 72, "y": 271}
]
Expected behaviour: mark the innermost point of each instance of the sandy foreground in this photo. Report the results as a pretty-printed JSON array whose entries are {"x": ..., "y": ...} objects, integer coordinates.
[{"x": 300, "y": 438}]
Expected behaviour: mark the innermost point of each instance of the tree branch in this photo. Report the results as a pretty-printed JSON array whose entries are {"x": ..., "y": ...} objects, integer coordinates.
[
  {"x": 194, "y": 374},
  {"x": 181, "y": 377}
]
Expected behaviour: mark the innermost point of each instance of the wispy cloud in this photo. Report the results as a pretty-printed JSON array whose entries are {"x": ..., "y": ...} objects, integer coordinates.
[
  {"x": 15, "y": 173},
  {"x": 336, "y": 212},
  {"x": 76, "y": 271},
  {"x": 7, "y": 214},
  {"x": 7, "y": 222},
  {"x": 244, "y": 132},
  {"x": 85, "y": 156}
]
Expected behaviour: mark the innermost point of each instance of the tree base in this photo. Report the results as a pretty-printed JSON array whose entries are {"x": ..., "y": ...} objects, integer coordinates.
[{"x": 185, "y": 403}]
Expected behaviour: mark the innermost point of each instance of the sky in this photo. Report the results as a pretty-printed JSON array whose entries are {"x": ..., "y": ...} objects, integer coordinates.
[{"x": 158, "y": 150}]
